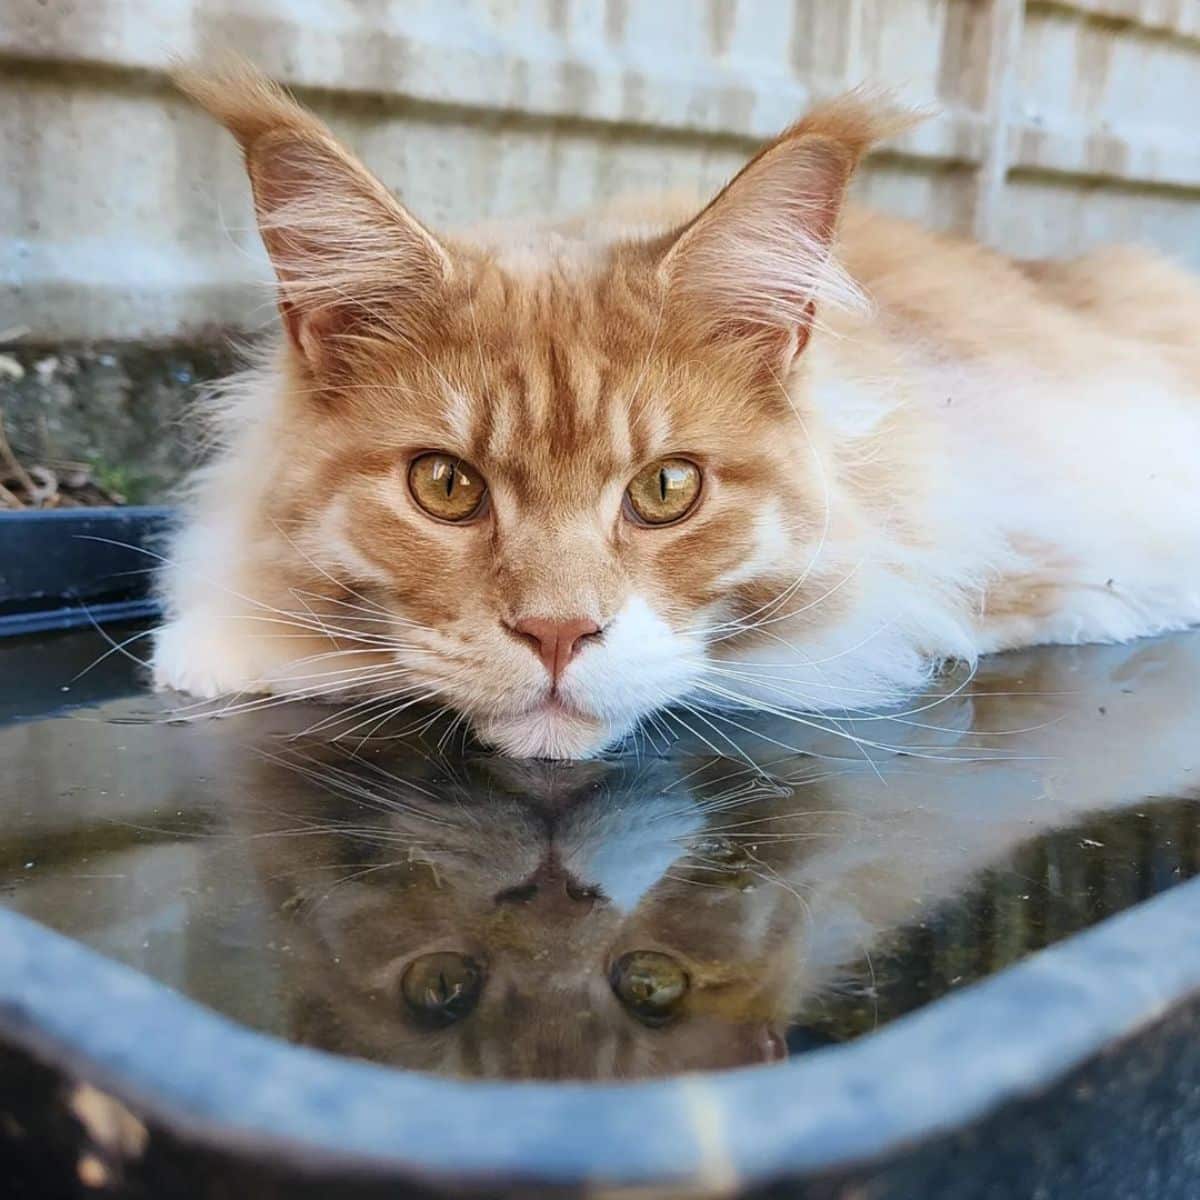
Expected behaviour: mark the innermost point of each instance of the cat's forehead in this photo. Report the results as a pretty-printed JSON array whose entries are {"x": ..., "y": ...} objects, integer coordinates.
[
  {"x": 579, "y": 243},
  {"x": 555, "y": 361},
  {"x": 586, "y": 293},
  {"x": 550, "y": 399},
  {"x": 530, "y": 255}
]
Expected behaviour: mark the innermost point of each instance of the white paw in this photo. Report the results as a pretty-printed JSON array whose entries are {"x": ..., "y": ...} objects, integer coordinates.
[{"x": 204, "y": 658}]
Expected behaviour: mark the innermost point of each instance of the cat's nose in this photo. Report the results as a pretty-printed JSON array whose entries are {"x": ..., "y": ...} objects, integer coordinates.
[{"x": 556, "y": 642}]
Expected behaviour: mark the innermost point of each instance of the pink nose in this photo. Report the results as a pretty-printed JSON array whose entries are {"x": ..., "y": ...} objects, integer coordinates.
[{"x": 556, "y": 642}]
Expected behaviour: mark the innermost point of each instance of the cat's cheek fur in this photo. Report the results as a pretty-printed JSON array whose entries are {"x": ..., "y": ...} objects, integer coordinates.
[{"x": 640, "y": 665}]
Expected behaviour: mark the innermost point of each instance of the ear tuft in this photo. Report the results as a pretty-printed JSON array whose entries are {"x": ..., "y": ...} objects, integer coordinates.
[
  {"x": 856, "y": 120},
  {"x": 239, "y": 96}
]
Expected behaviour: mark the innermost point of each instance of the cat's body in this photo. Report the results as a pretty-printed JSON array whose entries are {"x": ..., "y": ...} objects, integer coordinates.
[{"x": 930, "y": 452}]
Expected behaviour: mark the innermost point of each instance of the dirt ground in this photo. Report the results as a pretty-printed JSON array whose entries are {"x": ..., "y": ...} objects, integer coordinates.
[{"x": 101, "y": 424}]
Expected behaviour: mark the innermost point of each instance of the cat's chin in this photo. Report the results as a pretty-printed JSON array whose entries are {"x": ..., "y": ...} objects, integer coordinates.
[{"x": 549, "y": 731}]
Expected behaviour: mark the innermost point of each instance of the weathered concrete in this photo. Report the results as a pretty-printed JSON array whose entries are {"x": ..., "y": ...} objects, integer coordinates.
[{"x": 124, "y": 213}]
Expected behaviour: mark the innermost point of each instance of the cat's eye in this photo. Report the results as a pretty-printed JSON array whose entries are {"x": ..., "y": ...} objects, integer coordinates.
[
  {"x": 664, "y": 492},
  {"x": 441, "y": 988},
  {"x": 446, "y": 487},
  {"x": 650, "y": 985}
]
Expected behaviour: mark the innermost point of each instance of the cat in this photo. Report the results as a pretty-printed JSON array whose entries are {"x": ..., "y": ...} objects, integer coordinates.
[{"x": 662, "y": 463}]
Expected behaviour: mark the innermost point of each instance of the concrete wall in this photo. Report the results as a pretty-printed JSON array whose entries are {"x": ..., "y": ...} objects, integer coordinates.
[{"x": 124, "y": 214}]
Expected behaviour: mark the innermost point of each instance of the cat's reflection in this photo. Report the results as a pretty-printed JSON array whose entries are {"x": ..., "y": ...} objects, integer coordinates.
[
  {"x": 625, "y": 919},
  {"x": 538, "y": 921}
]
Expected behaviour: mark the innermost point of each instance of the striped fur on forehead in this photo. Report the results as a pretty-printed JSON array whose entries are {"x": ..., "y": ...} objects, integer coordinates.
[
  {"x": 540, "y": 370},
  {"x": 552, "y": 372}
]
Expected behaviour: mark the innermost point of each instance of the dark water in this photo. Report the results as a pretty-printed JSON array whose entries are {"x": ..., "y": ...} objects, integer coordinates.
[{"x": 404, "y": 898}]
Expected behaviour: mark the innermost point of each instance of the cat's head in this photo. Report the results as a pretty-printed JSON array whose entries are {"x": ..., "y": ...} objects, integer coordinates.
[
  {"x": 565, "y": 466},
  {"x": 573, "y": 922}
]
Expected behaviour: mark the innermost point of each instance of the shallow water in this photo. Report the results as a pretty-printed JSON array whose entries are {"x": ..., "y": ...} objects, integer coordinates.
[{"x": 404, "y": 898}]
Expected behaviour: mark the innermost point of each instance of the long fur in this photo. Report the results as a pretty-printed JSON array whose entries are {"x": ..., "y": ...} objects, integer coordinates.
[{"x": 913, "y": 449}]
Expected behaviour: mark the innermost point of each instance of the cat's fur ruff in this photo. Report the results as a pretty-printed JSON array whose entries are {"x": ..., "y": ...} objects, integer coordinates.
[{"x": 914, "y": 449}]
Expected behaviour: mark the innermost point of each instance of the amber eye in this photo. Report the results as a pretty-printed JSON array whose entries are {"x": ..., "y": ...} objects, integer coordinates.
[
  {"x": 664, "y": 491},
  {"x": 650, "y": 985},
  {"x": 446, "y": 487},
  {"x": 441, "y": 988}
]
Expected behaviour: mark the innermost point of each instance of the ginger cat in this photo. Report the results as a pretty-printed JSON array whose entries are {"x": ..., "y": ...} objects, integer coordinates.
[{"x": 655, "y": 465}]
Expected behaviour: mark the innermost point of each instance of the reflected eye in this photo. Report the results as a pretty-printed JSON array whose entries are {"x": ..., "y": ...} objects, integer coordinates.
[
  {"x": 441, "y": 988},
  {"x": 446, "y": 487},
  {"x": 650, "y": 985},
  {"x": 665, "y": 491}
]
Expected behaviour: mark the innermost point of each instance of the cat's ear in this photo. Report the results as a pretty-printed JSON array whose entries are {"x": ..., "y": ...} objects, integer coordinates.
[
  {"x": 350, "y": 260},
  {"x": 758, "y": 262}
]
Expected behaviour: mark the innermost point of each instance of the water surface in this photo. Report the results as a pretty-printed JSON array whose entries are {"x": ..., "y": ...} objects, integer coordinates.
[{"x": 741, "y": 892}]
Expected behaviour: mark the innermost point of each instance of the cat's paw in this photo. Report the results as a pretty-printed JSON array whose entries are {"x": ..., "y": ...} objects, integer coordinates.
[{"x": 204, "y": 659}]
